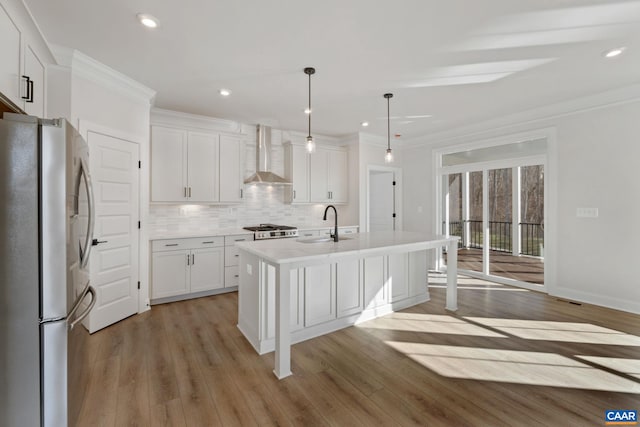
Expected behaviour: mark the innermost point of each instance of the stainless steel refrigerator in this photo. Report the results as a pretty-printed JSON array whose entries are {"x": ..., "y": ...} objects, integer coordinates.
[{"x": 46, "y": 232}]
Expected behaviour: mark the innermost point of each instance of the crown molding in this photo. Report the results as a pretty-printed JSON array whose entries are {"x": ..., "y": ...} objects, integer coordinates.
[
  {"x": 84, "y": 66},
  {"x": 161, "y": 116},
  {"x": 612, "y": 98},
  {"x": 372, "y": 140},
  {"x": 301, "y": 137}
]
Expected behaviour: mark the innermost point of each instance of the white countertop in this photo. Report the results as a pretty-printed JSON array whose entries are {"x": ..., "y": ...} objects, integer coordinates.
[
  {"x": 184, "y": 234},
  {"x": 284, "y": 251}
]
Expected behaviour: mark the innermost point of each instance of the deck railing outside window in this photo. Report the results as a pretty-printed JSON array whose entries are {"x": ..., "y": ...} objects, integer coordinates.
[{"x": 531, "y": 236}]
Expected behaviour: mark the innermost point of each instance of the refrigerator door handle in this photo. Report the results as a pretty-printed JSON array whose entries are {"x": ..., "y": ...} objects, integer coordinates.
[
  {"x": 85, "y": 313},
  {"x": 77, "y": 303},
  {"x": 84, "y": 254}
]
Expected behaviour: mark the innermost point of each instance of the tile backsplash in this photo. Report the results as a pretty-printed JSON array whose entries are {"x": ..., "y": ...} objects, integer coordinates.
[{"x": 262, "y": 204}]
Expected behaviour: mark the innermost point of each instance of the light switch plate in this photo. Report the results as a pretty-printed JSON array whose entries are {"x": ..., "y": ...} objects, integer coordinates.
[
  {"x": 587, "y": 212},
  {"x": 249, "y": 270}
]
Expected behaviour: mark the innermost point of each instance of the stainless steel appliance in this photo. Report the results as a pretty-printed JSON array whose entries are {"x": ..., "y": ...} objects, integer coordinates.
[
  {"x": 46, "y": 224},
  {"x": 272, "y": 231}
]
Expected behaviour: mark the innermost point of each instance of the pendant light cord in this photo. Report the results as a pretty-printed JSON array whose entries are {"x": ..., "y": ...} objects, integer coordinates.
[
  {"x": 309, "y": 104},
  {"x": 388, "y": 96}
]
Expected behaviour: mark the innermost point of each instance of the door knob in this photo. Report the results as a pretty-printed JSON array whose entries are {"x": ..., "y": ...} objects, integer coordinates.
[{"x": 96, "y": 242}]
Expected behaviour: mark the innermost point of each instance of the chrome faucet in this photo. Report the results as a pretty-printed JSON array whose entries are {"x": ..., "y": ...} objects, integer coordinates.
[{"x": 324, "y": 218}]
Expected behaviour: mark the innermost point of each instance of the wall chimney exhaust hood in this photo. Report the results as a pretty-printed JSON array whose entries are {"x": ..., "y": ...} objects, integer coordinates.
[{"x": 263, "y": 173}]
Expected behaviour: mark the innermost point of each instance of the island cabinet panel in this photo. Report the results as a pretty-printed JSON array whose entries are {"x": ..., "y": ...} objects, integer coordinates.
[
  {"x": 418, "y": 273},
  {"x": 397, "y": 282},
  {"x": 375, "y": 289},
  {"x": 296, "y": 316},
  {"x": 320, "y": 294},
  {"x": 349, "y": 288},
  {"x": 327, "y": 297}
]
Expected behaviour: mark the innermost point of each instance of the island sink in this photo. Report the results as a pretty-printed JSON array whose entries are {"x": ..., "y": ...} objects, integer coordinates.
[{"x": 322, "y": 239}]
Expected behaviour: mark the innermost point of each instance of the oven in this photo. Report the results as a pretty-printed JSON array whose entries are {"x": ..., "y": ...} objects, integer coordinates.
[{"x": 272, "y": 231}]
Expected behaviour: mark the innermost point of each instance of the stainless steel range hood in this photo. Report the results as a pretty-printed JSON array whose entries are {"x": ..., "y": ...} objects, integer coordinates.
[{"x": 263, "y": 173}]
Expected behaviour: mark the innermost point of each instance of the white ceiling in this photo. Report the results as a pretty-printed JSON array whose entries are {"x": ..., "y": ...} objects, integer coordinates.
[{"x": 448, "y": 63}]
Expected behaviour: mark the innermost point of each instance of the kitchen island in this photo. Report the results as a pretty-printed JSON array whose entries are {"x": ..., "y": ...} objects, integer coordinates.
[{"x": 291, "y": 290}]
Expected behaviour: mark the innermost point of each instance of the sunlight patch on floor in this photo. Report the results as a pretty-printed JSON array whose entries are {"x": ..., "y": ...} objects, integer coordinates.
[
  {"x": 559, "y": 331},
  {"x": 429, "y": 323},
  {"x": 628, "y": 366},
  {"x": 482, "y": 288},
  {"x": 521, "y": 367}
]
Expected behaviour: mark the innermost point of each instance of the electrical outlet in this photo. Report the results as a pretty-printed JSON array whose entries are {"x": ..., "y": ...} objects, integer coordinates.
[
  {"x": 587, "y": 212},
  {"x": 249, "y": 270}
]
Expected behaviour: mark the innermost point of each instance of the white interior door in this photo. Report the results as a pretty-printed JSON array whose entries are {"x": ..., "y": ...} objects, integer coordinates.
[
  {"x": 114, "y": 261},
  {"x": 381, "y": 201}
]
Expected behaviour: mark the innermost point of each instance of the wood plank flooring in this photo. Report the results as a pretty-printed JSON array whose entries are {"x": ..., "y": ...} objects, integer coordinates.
[{"x": 507, "y": 357}]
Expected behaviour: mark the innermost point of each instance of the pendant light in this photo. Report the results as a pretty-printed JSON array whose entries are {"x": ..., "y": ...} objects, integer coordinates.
[
  {"x": 311, "y": 145},
  {"x": 388, "y": 158}
]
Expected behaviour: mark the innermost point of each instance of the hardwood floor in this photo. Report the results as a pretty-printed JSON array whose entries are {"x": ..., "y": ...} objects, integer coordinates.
[
  {"x": 507, "y": 357},
  {"x": 522, "y": 268}
]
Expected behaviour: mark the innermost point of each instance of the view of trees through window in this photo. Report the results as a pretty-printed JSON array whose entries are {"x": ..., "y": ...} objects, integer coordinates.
[{"x": 500, "y": 208}]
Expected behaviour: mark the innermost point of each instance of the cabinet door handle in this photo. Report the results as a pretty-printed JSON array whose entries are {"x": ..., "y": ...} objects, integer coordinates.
[
  {"x": 240, "y": 240},
  {"x": 236, "y": 275},
  {"x": 185, "y": 191},
  {"x": 236, "y": 255},
  {"x": 193, "y": 259},
  {"x": 294, "y": 194},
  {"x": 29, "y": 96},
  {"x": 171, "y": 244},
  {"x": 241, "y": 193},
  {"x": 208, "y": 243},
  {"x": 189, "y": 191},
  {"x": 188, "y": 259}
]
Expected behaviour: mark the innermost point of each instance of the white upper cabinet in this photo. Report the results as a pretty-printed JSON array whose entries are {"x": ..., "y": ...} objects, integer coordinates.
[
  {"x": 202, "y": 167},
  {"x": 22, "y": 72},
  {"x": 195, "y": 167},
  {"x": 168, "y": 165},
  {"x": 34, "y": 70},
  {"x": 296, "y": 169},
  {"x": 10, "y": 52},
  {"x": 231, "y": 169},
  {"x": 328, "y": 175}
]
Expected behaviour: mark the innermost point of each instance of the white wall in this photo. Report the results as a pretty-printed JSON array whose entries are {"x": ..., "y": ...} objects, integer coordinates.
[
  {"x": 371, "y": 151},
  {"x": 594, "y": 162},
  {"x": 418, "y": 194},
  {"x": 91, "y": 96}
]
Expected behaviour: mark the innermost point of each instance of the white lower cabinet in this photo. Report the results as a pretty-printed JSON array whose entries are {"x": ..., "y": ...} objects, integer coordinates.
[
  {"x": 328, "y": 297},
  {"x": 184, "y": 268},
  {"x": 231, "y": 258},
  {"x": 206, "y": 269},
  {"x": 170, "y": 274}
]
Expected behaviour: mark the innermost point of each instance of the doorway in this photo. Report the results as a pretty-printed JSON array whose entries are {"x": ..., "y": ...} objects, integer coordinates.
[
  {"x": 493, "y": 198},
  {"x": 114, "y": 265},
  {"x": 382, "y": 197}
]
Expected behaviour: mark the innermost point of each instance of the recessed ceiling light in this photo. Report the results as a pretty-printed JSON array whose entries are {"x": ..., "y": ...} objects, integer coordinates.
[
  {"x": 365, "y": 124},
  {"x": 307, "y": 110},
  {"x": 612, "y": 53},
  {"x": 225, "y": 92},
  {"x": 147, "y": 20}
]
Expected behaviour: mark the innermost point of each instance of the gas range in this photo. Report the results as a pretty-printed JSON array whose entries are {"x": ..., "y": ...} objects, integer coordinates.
[{"x": 272, "y": 231}]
